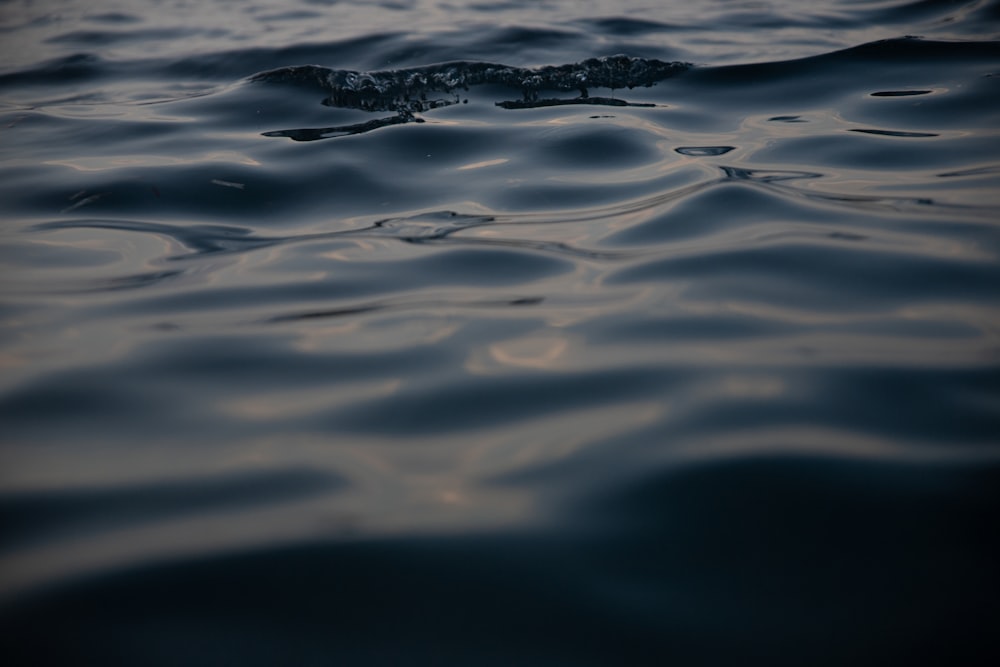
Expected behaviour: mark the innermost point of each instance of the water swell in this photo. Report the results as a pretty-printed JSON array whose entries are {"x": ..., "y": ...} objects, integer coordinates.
[
  {"x": 694, "y": 378},
  {"x": 405, "y": 91}
]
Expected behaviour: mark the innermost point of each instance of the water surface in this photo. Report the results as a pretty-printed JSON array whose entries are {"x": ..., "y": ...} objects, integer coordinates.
[{"x": 534, "y": 333}]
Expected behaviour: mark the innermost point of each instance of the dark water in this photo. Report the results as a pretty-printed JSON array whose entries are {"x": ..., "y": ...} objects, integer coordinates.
[{"x": 687, "y": 357}]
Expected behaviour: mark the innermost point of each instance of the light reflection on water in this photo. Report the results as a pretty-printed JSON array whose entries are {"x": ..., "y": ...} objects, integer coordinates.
[{"x": 671, "y": 371}]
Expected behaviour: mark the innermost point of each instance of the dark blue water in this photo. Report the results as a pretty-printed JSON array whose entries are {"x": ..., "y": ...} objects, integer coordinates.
[{"x": 519, "y": 333}]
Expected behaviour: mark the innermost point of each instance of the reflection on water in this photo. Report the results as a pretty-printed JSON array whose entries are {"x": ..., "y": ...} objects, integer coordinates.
[{"x": 548, "y": 358}]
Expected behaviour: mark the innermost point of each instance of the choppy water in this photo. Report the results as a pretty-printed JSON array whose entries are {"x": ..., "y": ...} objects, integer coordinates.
[{"x": 319, "y": 351}]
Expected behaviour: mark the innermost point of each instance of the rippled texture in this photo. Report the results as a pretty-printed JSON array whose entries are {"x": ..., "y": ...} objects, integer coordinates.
[
  {"x": 405, "y": 91},
  {"x": 548, "y": 333}
]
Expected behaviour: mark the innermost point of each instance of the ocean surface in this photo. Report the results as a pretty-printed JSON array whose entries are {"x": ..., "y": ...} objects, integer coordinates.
[{"x": 555, "y": 333}]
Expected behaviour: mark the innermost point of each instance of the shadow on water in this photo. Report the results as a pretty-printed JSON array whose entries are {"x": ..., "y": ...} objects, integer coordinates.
[{"x": 793, "y": 560}]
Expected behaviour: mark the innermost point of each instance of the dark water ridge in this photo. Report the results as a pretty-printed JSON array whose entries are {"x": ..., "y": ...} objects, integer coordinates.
[
  {"x": 689, "y": 355},
  {"x": 405, "y": 91},
  {"x": 386, "y": 90}
]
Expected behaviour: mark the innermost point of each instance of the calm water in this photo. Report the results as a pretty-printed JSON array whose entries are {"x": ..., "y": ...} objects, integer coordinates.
[{"x": 384, "y": 362}]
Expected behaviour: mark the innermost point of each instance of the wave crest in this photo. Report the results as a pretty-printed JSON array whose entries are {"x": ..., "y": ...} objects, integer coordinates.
[{"x": 395, "y": 89}]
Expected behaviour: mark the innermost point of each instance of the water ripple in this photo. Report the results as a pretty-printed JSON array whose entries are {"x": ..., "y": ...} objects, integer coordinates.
[{"x": 672, "y": 351}]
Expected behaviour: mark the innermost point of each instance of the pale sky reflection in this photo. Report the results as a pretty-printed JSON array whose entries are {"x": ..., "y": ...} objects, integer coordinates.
[{"x": 390, "y": 491}]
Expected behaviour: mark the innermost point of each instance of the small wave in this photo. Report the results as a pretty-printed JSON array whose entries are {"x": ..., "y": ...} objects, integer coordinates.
[
  {"x": 405, "y": 91},
  {"x": 894, "y": 133}
]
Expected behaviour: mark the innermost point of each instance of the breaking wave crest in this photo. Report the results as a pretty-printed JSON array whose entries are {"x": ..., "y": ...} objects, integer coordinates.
[{"x": 405, "y": 91}]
